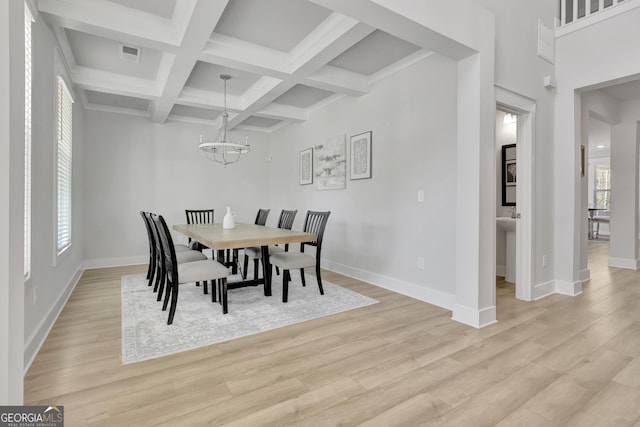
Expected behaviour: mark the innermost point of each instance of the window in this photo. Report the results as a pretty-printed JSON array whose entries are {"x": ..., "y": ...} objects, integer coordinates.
[
  {"x": 63, "y": 166},
  {"x": 602, "y": 187},
  {"x": 27, "y": 141}
]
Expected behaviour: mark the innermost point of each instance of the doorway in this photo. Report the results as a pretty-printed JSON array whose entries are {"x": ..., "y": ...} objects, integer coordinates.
[
  {"x": 506, "y": 206},
  {"x": 523, "y": 109}
]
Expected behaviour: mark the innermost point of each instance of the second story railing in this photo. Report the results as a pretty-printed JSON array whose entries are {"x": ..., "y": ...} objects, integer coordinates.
[{"x": 575, "y": 10}]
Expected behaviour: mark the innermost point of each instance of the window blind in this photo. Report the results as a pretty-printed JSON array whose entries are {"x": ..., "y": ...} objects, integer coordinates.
[
  {"x": 64, "y": 162},
  {"x": 27, "y": 141}
]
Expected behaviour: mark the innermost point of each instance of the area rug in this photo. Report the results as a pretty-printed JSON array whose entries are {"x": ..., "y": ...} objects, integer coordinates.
[{"x": 199, "y": 322}]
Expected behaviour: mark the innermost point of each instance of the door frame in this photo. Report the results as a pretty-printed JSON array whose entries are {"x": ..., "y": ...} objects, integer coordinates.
[{"x": 525, "y": 109}]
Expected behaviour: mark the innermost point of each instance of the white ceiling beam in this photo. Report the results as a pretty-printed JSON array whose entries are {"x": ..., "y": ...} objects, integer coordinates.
[
  {"x": 112, "y": 21},
  {"x": 118, "y": 110},
  {"x": 376, "y": 14},
  {"x": 241, "y": 55},
  {"x": 332, "y": 37},
  {"x": 210, "y": 100},
  {"x": 118, "y": 84},
  {"x": 400, "y": 64},
  {"x": 283, "y": 112},
  {"x": 336, "y": 79},
  {"x": 203, "y": 20}
]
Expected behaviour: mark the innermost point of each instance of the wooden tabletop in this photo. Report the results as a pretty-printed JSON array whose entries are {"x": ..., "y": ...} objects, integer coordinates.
[{"x": 243, "y": 236}]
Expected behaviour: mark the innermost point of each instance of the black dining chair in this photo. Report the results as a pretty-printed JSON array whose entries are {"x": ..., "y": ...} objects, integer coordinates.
[
  {"x": 261, "y": 219},
  {"x": 198, "y": 216},
  {"x": 315, "y": 223},
  {"x": 255, "y": 252},
  {"x": 153, "y": 253},
  {"x": 183, "y": 254},
  {"x": 179, "y": 273}
]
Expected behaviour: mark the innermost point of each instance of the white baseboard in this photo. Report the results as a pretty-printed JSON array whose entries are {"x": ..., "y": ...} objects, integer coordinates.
[
  {"x": 115, "y": 262},
  {"x": 413, "y": 290},
  {"x": 542, "y": 290},
  {"x": 37, "y": 338},
  {"x": 501, "y": 270},
  {"x": 632, "y": 264},
  {"x": 568, "y": 288},
  {"x": 474, "y": 317}
]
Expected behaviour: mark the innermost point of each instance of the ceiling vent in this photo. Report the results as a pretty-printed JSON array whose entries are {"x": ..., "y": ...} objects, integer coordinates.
[{"x": 130, "y": 54}]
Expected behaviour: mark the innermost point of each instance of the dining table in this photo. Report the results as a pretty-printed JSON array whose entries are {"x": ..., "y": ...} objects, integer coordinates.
[{"x": 241, "y": 236}]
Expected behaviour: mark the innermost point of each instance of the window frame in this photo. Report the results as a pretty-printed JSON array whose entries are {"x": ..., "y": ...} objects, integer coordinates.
[
  {"x": 61, "y": 76},
  {"x": 28, "y": 134},
  {"x": 605, "y": 190}
]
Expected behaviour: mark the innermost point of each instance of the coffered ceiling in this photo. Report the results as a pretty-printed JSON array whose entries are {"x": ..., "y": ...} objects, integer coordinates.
[{"x": 286, "y": 57}]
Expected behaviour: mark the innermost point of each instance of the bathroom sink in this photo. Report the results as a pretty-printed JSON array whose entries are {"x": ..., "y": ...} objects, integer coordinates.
[{"x": 506, "y": 223}]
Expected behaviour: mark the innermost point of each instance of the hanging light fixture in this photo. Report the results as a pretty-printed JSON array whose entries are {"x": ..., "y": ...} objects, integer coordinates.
[
  {"x": 509, "y": 119},
  {"x": 224, "y": 149}
]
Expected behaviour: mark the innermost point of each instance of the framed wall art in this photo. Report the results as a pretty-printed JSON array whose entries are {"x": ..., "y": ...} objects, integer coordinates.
[
  {"x": 306, "y": 166},
  {"x": 330, "y": 164},
  {"x": 509, "y": 175},
  {"x": 360, "y": 156}
]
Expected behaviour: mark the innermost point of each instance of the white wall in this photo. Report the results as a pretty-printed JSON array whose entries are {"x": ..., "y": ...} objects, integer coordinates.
[
  {"x": 377, "y": 229},
  {"x": 11, "y": 202},
  {"x": 131, "y": 164},
  {"x": 520, "y": 70},
  {"x": 54, "y": 284},
  {"x": 600, "y": 53}
]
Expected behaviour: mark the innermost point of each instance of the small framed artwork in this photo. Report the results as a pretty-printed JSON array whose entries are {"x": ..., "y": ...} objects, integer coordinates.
[
  {"x": 361, "y": 156},
  {"x": 510, "y": 170},
  {"x": 306, "y": 166},
  {"x": 509, "y": 175}
]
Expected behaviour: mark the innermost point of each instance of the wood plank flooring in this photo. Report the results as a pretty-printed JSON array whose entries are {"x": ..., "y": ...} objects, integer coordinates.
[{"x": 557, "y": 361}]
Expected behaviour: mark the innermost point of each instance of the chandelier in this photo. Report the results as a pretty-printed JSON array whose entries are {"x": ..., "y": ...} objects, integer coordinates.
[{"x": 224, "y": 149}]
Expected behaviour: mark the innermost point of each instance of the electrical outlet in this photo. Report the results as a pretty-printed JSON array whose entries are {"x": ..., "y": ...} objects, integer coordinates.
[
  {"x": 420, "y": 196},
  {"x": 544, "y": 260},
  {"x": 420, "y": 263}
]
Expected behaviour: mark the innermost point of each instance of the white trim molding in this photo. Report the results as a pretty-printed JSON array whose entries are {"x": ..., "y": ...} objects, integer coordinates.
[
  {"x": 413, "y": 290},
  {"x": 568, "y": 288},
  {"x": 90, "y": 264},
  {"x": 542, "y": 290},
  {"x": 632, "y": 264},
  {"x": 474, "y": 317},
  {"x": 38, "y": 337}
]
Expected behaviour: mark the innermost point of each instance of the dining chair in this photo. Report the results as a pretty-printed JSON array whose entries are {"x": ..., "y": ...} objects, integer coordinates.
[
  {"x": 153, "y": 255},
  {"x": 198, "y": 216},
  {"x": 255, "y": 252},
  {"x": 315, "y": 223},
  {"x": 183, "y": 254},
  {"x": 261, "y": 219},
  {"x": 180, "y": 273},
  {"x": 600, "y": 218}
]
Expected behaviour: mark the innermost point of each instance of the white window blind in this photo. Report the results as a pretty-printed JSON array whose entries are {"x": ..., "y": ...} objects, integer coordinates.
[
  {"x": 64, "y": 162},
  {"x": 27, "y": 141}
]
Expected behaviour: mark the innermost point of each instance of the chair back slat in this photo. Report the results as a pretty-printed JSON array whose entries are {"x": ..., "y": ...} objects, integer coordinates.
[
  {"x": 148, "y": 225},
  {"x": 166, "y": 246},
  {"x": 199, "y": 216},
  {"x": 286, "y": 219},
  {"x": 315, "y": 222},
  {"x": 261, "y": 218}
]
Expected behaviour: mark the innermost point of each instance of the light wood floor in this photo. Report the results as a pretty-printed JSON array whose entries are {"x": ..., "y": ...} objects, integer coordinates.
[{"x": 557, "y": 361}]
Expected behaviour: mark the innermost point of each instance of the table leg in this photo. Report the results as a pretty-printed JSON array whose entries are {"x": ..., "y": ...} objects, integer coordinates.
[{"x": 266, "y": 266}]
